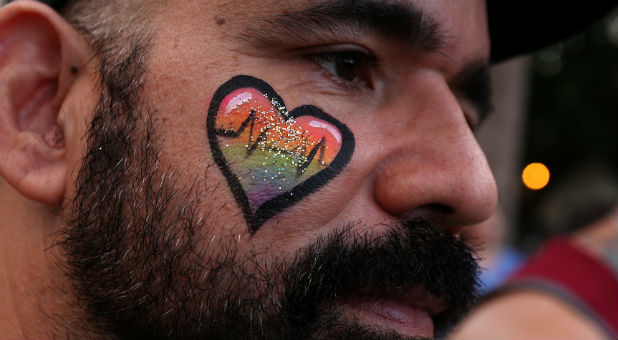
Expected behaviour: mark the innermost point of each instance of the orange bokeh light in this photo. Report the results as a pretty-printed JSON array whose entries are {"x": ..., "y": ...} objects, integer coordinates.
[{"x": 535, "y": 176}]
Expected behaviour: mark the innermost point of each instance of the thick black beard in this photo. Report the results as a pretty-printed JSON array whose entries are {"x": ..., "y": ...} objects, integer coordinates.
[{"x": 144, "y": 267}]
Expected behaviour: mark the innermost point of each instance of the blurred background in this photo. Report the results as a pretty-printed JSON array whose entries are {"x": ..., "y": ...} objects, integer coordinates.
[
  {"x": 557, "y": 107},
  {"x": 572, "y": 128}
]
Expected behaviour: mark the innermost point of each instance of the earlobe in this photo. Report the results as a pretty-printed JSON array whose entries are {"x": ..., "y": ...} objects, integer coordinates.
[{"x": 37, "y": 55}]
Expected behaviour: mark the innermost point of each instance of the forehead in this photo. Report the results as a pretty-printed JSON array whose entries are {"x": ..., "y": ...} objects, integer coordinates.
[{"x": 461, "y": 23}]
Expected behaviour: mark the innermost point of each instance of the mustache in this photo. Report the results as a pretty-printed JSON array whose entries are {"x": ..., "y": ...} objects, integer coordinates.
[{"x": 408, "y": 256}]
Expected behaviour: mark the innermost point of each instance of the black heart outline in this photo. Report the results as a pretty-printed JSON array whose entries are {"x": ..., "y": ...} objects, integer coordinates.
[{"x": 284, "y": 200}]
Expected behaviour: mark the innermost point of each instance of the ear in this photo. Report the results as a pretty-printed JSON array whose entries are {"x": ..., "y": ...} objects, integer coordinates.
[{"x": 39, "y": 57}]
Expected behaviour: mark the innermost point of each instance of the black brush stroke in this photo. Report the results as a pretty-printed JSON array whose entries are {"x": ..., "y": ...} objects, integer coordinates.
[{"x": 286, "y": 199}]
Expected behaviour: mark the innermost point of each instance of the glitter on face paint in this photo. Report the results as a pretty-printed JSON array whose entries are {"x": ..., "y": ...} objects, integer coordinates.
[{"x": 257, "y": 129}]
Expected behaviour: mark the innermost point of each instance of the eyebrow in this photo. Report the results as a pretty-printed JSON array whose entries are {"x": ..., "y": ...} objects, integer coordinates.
[
  {"x": 399, "y": 21},
  {"x": 403, "y": 22}
]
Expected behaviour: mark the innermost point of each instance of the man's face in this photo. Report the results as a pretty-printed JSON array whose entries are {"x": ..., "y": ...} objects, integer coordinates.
[{"x": 291, "y": 169}]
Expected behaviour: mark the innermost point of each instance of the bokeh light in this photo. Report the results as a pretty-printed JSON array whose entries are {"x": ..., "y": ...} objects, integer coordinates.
[{"x": 535, "y": 176}]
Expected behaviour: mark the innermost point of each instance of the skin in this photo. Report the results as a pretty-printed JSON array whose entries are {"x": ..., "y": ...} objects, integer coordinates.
[{"x": 415, "y": 154}]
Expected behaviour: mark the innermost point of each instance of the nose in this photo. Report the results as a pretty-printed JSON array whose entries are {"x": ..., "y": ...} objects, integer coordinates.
[{"x": 433, "y": 166}]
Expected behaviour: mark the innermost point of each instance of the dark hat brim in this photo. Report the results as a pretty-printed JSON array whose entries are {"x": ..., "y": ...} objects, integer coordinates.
[{"x": 517, "y": 27}]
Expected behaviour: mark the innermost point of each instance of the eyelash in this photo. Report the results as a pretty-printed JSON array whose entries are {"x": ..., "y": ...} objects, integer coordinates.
[{"x": 369, "y": 61}]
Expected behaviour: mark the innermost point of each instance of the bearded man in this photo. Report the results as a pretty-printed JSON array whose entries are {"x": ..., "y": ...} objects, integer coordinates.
[{"x": 248, "y": 169}]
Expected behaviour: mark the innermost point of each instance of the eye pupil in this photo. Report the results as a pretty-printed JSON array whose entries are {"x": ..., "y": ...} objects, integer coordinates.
[
  {"x": 347, "y": 66},
  {"x": 352, "y": 67}
]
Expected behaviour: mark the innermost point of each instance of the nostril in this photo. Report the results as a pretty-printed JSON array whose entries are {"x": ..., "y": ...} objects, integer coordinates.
[
  {"x": 439, "y": 216},
  {"x": 428, "y": 211},
  {"x": 436, "y": 214},
  {"x": 438, "y": 208}
]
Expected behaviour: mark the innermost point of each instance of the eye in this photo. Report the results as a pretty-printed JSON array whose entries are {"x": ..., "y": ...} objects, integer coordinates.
[{"x": 351, "y": 66}]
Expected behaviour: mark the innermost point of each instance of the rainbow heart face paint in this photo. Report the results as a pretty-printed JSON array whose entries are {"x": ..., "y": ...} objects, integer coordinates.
[{"x": 270, "y": 157}]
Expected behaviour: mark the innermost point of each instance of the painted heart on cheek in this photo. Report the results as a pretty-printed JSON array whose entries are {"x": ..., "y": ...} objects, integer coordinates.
[{"x": 272, "y": 158}]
